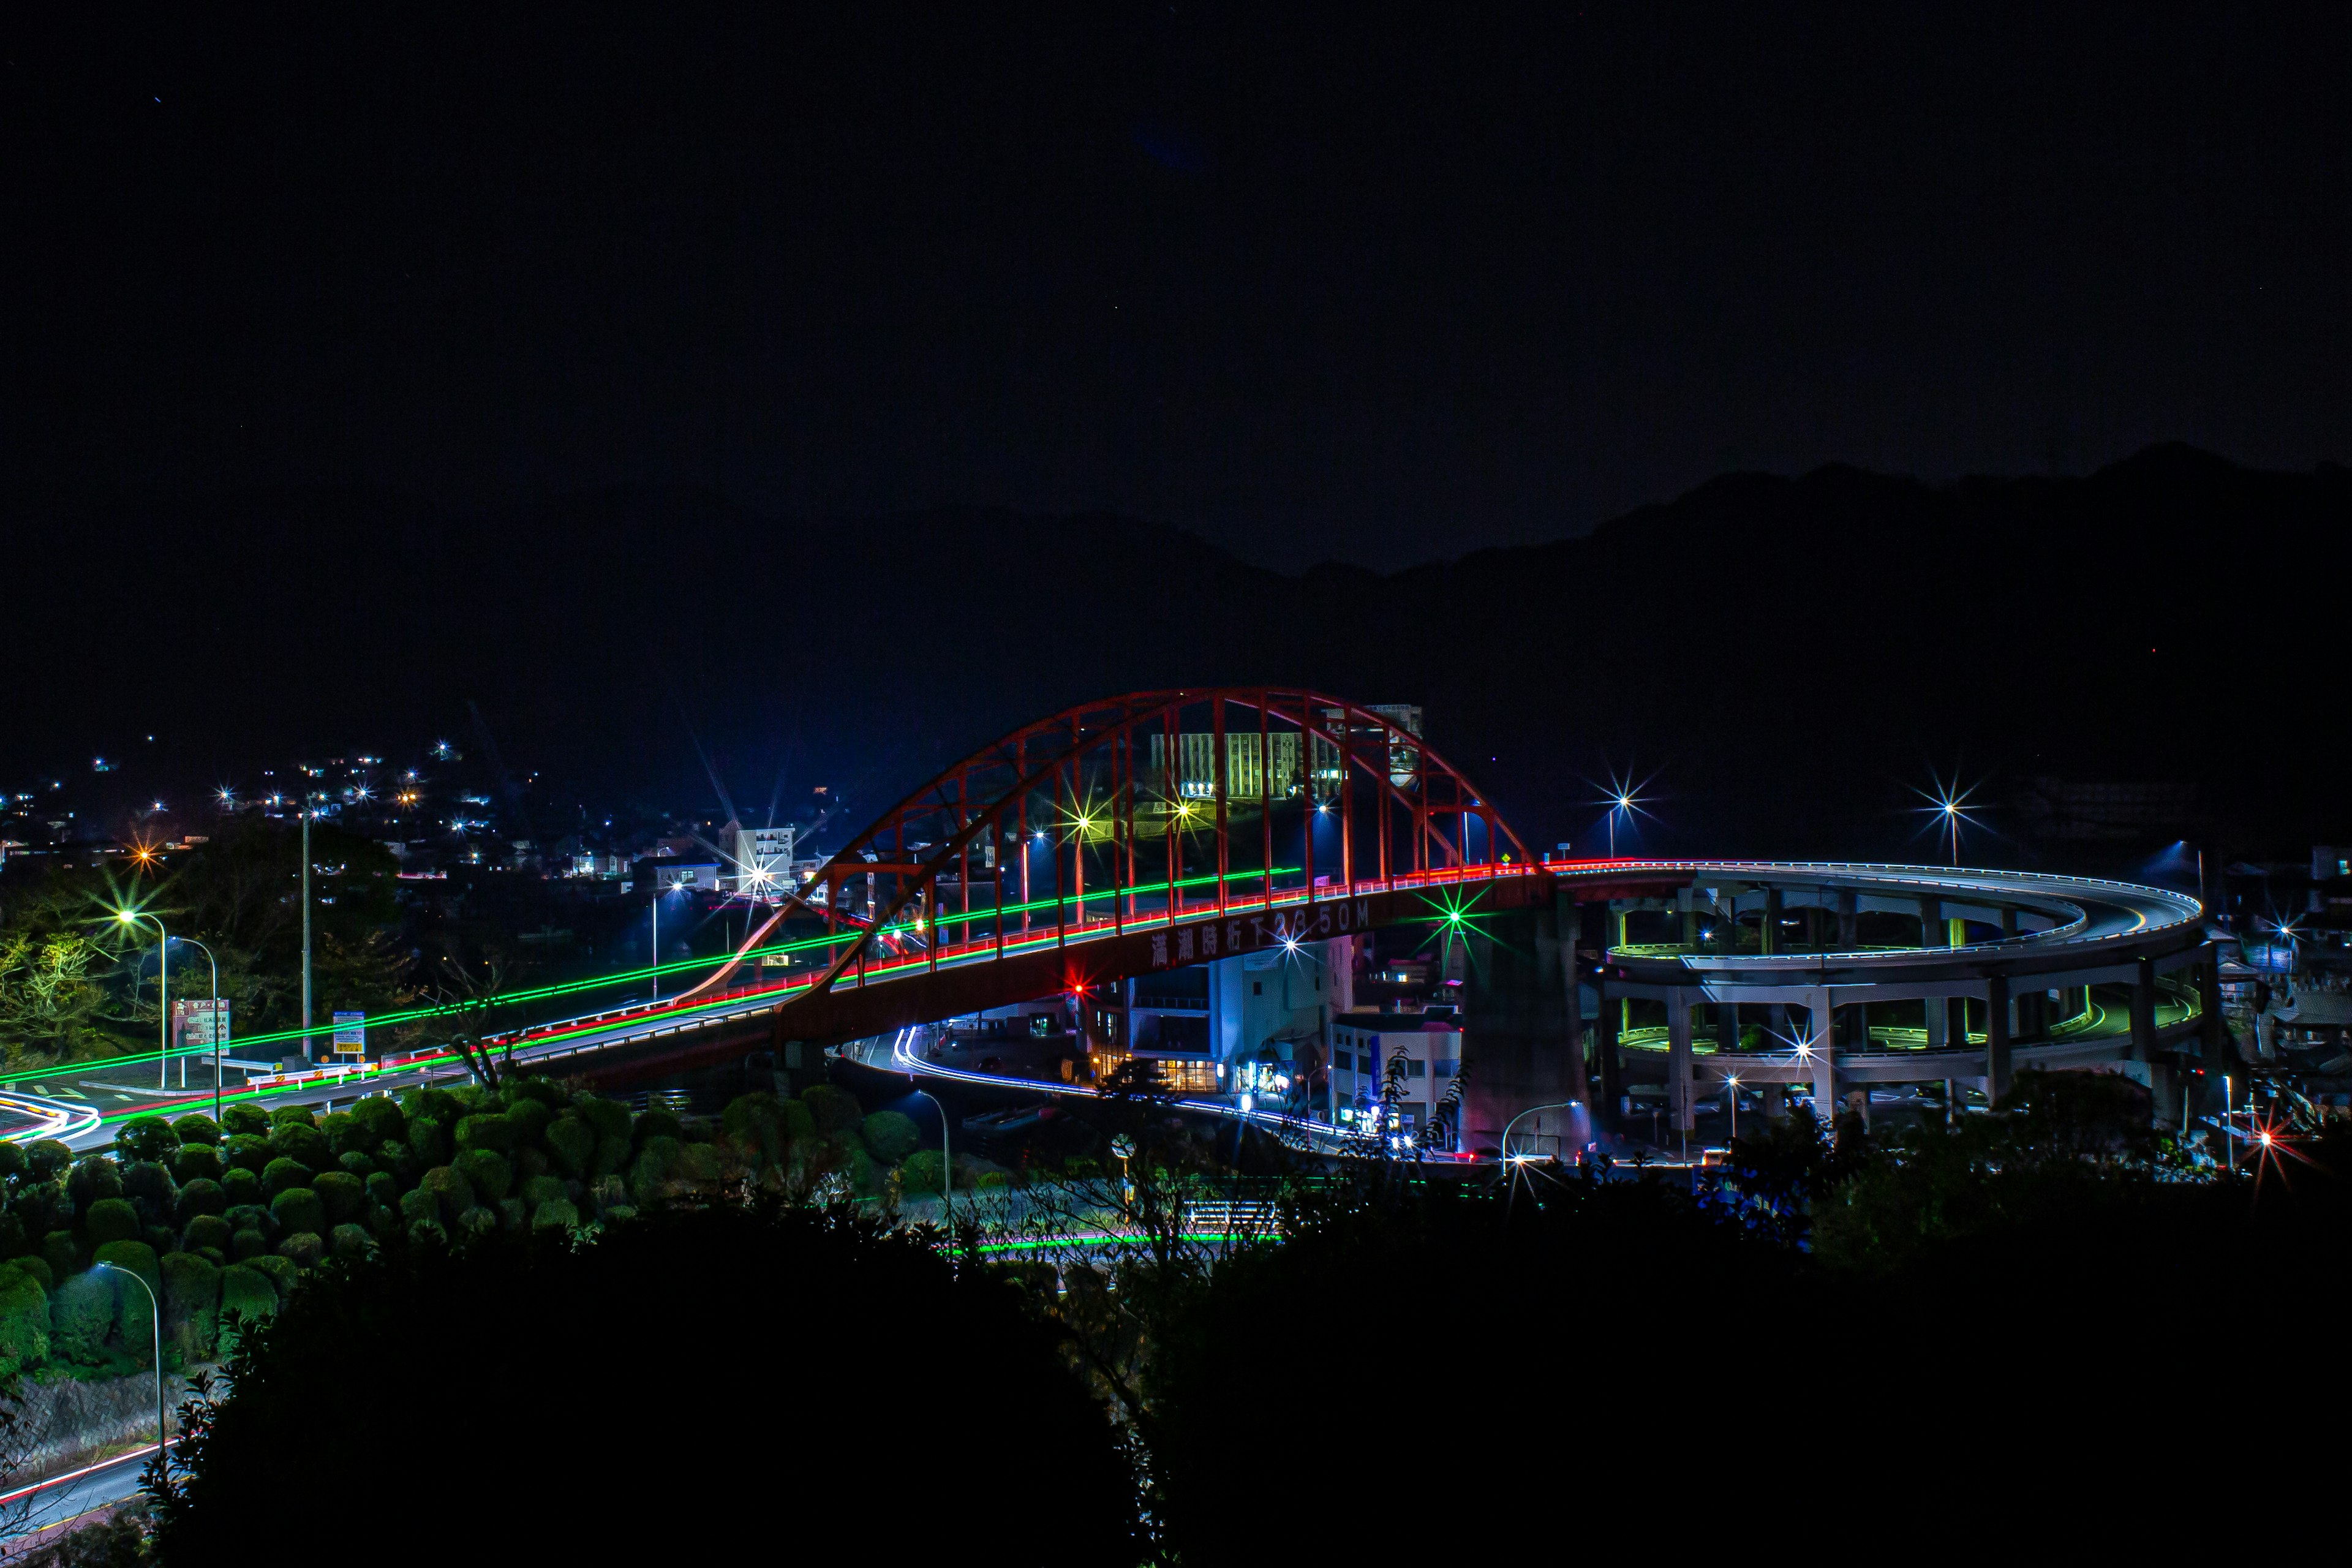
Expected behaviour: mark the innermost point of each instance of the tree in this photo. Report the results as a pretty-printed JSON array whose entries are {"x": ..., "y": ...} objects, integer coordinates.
[{"x": 708, "y": 1284}]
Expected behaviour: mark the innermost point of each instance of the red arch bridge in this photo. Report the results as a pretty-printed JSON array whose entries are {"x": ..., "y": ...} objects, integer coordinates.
[{"x": 1160, "y": 831}]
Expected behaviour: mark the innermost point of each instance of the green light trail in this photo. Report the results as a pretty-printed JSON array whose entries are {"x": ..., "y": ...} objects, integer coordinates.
[{"x": 629, "y": 977}]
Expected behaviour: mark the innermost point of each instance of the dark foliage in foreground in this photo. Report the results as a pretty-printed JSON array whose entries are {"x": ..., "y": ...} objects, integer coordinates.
[{"x": 692, "y": 1378}]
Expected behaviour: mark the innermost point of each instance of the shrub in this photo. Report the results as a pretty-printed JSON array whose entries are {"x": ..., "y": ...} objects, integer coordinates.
[
  {"x": 357, "y": 1167},
  {"x": 162, "y": 1238},
  {"x": 282, "y": 1273},
  {"x": 428, "y": 1142},
  {"x": 302, "y": 1143},
  {"x": 61, "y": 1252},
  {"x": 451, "y": 1192},
  {"x": 658, "y": 1163},
  {"x": 282, "y": 1175},
  {"x": 150, "y": 1186},
  {"x": 248, "y": 1120},
  {"x": 293, "y": 1116},
  {"x": 12, "y": 1160},
  {"x": 134, "y": 1308},
  {"x": 145, "y": 1138},
  {"x": 35, "y": 1266},
  {"x": 197, "y": 1163},
  {"x": 477, "y": 1221},
  {"x": 609, "y": 1193},
  {"x": 110, "y": 1220},
  {"x": 571, "y": 1143},
  {"x": 196, "y": 1128},
  {"x": 610, "y": 1118},
  {"x": 44, "y": 1157},
  {"x": 245, "y": 1292},
  {"x": 23, "y": 1322},
  {"x": 349, "y": 1241},
  {"x": 612, "y": 1157},
  {"x": 762, "y": 1128},
  {"x": 241, "y": 1186},
  {"x": 381, "y": 1115},
  {"x": 619, "y": 1213},
  {"x": 395, "y": 1157},
  {"x": 554, "y": 1214},
  {"x": 246, "y": 1245},
  {"x": 513, "y": 1213},
  {"x": 704, "y": 1165},
  {"x": 537, "y": 1190},
  {"x": 191, "y": 1303},
  {"x": 651, "y": 1124},
  {"x": 343, "y": 1195},
  {"x": 81, "y": 1315},
  {"x": 890, "y": 1136},
  {"x": 833, "y": 1108},
  {"x": 990, "y": 1179},
  {"x": 245, "y": 1152},
  {"x": 304, "y": 1248},
  {"x": 299, "y": 1209},
  {"x": 345, "y": 1134},
  {"x": 383, "y": 1189},
  {"x": 488, "y": 1173},
  {"x": 485, "y": 1130},
  {"x": 542, "y": 1091},
  {"x": 14, "y": 1237},
  {"x": 921, "y": 1172},
  {"x": 530, "y": 1119},
  {"x": 93, "y": 1178},
  {"x": 438, "y": 1103},
  {"x": 37, "y": 1206},
  {"x": 208, "y": 1230}
]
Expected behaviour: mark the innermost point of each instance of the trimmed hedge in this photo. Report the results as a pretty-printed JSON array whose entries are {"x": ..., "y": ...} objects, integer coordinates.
[
  {"x": 921, "y": 1172},
  {"x": 451, "y": 1192},
  {"x": 47, "y": 1157},
  {"x": 485, "y": 1130},
  {"x": 248, "y": 1119},
  {"x": 302, "y": 1143},
  {"x": 208, "y": 1230},
  {"x": 23, "y": 1320},
  {"x": 191, "y": 1304},
  {"x": 344, "y": 1196},
  {"x": 197, "y": 1163},
  {"x": 428, "y": 1141},
  {"x": 241, "y": 1186},
  {"x": 298, "y": 1209},
  {"x": 529, "y": 1118},
  {"x": 246, "y": 1151},
  {"x": 349, "y": 1241},
  {"x": 487, "y": 1172},
  {"x": 282, "y": 1175},
  {"x": 39, "y": 1267},
  {"x": 890, "y": 1136},
  {"x": 610, "y": 1118},
  {"x": 304, "y": 1248},
  {"x": 81, "y": 1315},
  {"x": 835, "y": 1109},
  {"x": 246, "y": 1289},
  {"x": 571, "y": 1142},
  {"x": 110, "y": 1220},
  {"x": 196, "y": 1128},
  {"x": 554, "y": 1214},
  {"x": 145, "y": 1138},
  {"x": 94, "y": 1177}
]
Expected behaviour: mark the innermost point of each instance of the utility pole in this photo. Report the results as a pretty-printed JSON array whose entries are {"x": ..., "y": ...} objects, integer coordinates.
[{"x": 306, "y": 928}]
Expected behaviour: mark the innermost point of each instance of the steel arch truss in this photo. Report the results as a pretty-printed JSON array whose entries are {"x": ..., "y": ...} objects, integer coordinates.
[{"x": 1142, "y": 813}]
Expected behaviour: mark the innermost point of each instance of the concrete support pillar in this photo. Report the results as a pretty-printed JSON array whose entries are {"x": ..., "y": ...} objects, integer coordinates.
[
  {"x": 2212, "y": 1034},
  {"x": 1686, "y": 905},
  {"x": 1679, "y": 1058},
  {"x": 1612, "y": 1062},
  {"x": 1726, "y": 1025},
  {"x": 1940, "y": 1022},
  {"x": 1826, "y": 1084},
  {"x": 1578, "y": 1085},
  {"x": 1996, "y": 1038},
  {"x": 1773, "y": 919},
  {"x": 1931, "y": 923},
  {"x": 2142, "y": 1011},
  {"x": 1849, "y": 919},
  {"x": 2007, "y": 921}
]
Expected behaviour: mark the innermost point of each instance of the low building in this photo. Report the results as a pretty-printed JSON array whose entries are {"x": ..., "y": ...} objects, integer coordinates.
[{"x": 1428, "y": 1045}]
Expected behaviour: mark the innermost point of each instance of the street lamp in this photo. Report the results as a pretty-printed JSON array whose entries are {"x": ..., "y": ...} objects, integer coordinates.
[
  {"x": 1530, "y": 1110},
  {"x": 158, "y": 1324},
  {"x": 1731, "y": 1089},
  {"x": 947, "y": 1159},
  {"x": 163, "y": 988}
]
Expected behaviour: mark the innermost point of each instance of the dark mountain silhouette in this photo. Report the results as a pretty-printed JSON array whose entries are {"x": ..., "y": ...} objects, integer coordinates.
[{"x": 1792, "y": 656}]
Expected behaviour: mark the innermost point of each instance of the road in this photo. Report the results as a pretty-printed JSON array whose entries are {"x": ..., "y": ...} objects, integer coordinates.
[{"x": 45, "y": 1505}]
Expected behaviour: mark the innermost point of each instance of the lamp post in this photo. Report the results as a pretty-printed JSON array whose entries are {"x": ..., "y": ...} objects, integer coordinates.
[
  {"x": 306, "y": 926},
  {"x": 208, "y": 951},
  {"x": 162, "y": 990},
  {"x": 158, "y": 1324},
  {"x": 1731, "y": 1089},
  {"x": 1530, "y": 1110},
  {"x": 947, "y": 1159}
]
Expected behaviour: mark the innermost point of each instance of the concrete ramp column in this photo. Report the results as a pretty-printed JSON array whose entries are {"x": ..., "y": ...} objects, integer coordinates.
[
  {"x": 1996, "y": 1037},
  {"x": 1678, "y": 1057},
  {"x": 1824, "y": 1032}
]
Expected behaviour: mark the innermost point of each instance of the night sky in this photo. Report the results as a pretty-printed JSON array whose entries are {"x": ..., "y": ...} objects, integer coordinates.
[{"x": 1310, "y": 287}]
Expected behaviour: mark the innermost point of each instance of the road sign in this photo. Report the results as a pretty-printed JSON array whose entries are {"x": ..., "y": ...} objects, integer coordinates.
[
  {"x": 350, "y": 1034},
  {"x": 200, "y": 1022}
]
